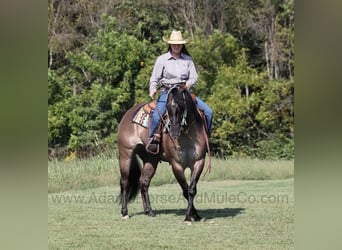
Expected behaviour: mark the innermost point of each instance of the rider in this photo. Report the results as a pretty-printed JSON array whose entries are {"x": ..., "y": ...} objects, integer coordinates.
[{"x": 175, "y": 66}]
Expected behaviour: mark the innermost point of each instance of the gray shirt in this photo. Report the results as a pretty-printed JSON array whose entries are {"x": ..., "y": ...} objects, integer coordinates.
[{"x": 169, "y": 69}]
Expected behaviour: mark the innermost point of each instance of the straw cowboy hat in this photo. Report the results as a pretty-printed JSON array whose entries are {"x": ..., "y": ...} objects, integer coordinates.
[{"x": 176, "y": 38}]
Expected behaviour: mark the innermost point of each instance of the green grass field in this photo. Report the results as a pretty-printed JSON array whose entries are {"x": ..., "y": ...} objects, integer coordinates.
[
  {"x": 104, "y": 171},
  {"x": 254, "y": 209}
]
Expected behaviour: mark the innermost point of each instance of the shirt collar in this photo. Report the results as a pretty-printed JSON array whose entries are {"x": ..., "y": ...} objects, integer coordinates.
[{"x": 171, "y": 57}]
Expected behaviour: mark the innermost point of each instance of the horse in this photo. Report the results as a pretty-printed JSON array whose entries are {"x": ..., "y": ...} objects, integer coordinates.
[{"x": 184, "y": 144}]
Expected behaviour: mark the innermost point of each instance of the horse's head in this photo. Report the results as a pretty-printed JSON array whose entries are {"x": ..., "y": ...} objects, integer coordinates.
[{"x": 178, "y": 103}]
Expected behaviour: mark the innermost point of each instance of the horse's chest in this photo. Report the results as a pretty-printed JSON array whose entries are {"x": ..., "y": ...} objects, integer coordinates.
[
  {"x": 187, "y": 155},
  {"x": 186, "y": 151}
]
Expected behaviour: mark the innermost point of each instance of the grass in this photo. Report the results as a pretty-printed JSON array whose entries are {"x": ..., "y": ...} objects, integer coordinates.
[
  {"x": 240, "y": 214},
  {"x": 82, "y": 174},
  {"x": 104, "y": 171},
  {"x": 248, "y": 204}
]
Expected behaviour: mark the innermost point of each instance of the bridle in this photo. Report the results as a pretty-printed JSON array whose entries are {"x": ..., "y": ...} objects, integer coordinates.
[{"x": 169, "y": 88}]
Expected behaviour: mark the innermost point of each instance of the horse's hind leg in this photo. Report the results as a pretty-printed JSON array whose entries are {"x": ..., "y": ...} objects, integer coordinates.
[
  {"x": 123, "y": 186},
  {"x": 147, "y": 173},
  {"x": 124, "y": 168}
]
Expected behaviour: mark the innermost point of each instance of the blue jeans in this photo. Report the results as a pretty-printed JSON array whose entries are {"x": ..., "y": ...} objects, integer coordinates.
[
  {"x": 161, "y": 109},
  {"x": 207, "y": 111}
]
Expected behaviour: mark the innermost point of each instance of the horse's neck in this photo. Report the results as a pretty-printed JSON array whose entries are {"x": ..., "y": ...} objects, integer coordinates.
[
  {"x": 194, "y": 120},
  {"x": 194, "y": 114}
]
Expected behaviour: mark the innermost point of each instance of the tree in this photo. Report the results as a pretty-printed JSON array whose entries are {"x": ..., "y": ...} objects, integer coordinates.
[
  {"x": 274, "y": 26},
  {"x": 99, "y": 66},
  {"x": 251, "y": 112},
  {"x": 97, "y": 87},
  {"x": 235, "y": 100},
  {"x": 71, "y": 24},
  {"x": 223, "y": 49}
]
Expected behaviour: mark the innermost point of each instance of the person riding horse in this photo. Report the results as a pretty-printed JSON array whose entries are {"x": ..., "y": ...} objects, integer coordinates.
[
  {"x": 184, "y": 145},
  {"x": 172, "y": 67}
]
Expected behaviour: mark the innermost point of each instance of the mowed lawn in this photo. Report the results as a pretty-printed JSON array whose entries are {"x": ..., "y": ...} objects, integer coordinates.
[{"x": 240, "y": 214}]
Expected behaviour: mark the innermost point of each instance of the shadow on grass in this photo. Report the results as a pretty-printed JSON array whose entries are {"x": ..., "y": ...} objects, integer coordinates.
[{"x": 207, "y": 213}]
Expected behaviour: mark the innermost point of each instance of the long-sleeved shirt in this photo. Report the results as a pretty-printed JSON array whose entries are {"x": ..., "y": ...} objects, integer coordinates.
[{"x": 169, "y": 69}]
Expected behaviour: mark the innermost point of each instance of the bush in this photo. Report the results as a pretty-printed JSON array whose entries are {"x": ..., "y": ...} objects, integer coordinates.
[{"x": 275, "y": 149}]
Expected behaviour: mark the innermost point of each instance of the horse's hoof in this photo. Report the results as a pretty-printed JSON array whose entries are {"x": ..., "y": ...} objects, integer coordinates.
[
  {"x": 188, "y": 222},
  {"x": 199, "y": 218},
  {"x": 150, "y": 214},
  {"x": 126, "y": 217}
]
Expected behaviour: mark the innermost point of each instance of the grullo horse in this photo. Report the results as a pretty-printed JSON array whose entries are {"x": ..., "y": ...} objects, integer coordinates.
[{"x": 184, "y": 144}]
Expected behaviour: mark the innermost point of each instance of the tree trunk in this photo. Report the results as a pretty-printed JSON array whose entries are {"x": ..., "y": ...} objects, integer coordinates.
[
  {"x": 74, "y": 89},
  {"x": 50, "y": 59},
  {"x": 267, "y": 61}
]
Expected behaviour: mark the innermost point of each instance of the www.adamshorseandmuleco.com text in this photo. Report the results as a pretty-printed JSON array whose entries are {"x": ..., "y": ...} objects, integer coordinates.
[{"x": 203, "y": 197}]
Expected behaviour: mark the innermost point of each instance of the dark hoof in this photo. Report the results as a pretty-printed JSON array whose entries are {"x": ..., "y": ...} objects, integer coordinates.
[
  {"x": 187, "y": 219},
  {"x": 150, "y": 213},
  {"x": 197, "y": 218}
]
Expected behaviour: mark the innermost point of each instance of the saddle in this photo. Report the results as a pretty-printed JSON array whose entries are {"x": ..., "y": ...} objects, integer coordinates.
[{"x": 142, "y": 116}]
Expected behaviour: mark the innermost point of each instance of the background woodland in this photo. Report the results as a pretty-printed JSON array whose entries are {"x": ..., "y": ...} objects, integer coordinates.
[{"x": 101, "y": 54}]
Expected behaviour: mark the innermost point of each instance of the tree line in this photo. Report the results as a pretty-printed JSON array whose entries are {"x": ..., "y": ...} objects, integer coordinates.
[{"x": 101, "y": 54}]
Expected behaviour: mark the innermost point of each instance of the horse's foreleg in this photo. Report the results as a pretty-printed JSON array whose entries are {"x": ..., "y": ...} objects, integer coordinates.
[
  {"x": 192, "y": 191},
  {"x": 146, "y": 175},
  {"x": 180, "y": 177},
  {"x": 178, "y": 172},
  {"x": 191, "y": 210}
]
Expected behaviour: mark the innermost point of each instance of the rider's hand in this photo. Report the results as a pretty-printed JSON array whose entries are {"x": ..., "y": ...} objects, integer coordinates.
[
  {"x": 187, "y": 85},
  {"x": 152, "y": 93}
]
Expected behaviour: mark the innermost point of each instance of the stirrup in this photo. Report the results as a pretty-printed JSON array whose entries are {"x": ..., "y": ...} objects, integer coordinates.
[{"x": 153, "y": 144}]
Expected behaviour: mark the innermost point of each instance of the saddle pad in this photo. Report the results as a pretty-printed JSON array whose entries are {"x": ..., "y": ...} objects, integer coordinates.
[{"x": 141, "y": 117}]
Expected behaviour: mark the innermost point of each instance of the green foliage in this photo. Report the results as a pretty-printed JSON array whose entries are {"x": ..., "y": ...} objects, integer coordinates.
[
  {"x": 93, "y": 116},
  {"x": 275, "y": 148},
  {"x": 234, "y": 117},
  {"x": 58, "y": 124},
  {"x": 94, "y": 90},
  {"x": 209, "y": 55},
  {"x": 254, "y": 110},
  {"x": 92, "y": 82}
]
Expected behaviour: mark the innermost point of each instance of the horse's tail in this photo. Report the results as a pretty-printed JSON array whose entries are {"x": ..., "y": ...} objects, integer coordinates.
[{"x": 133, "y": 179}]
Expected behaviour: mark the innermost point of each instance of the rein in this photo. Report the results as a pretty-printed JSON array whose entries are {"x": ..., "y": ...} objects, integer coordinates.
[
  {"x": 169, "y": 87},
  {"x": 208, "y": 147},
  {"x": 185, "y": 123},
  {"x": 166, "y": 123}
]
